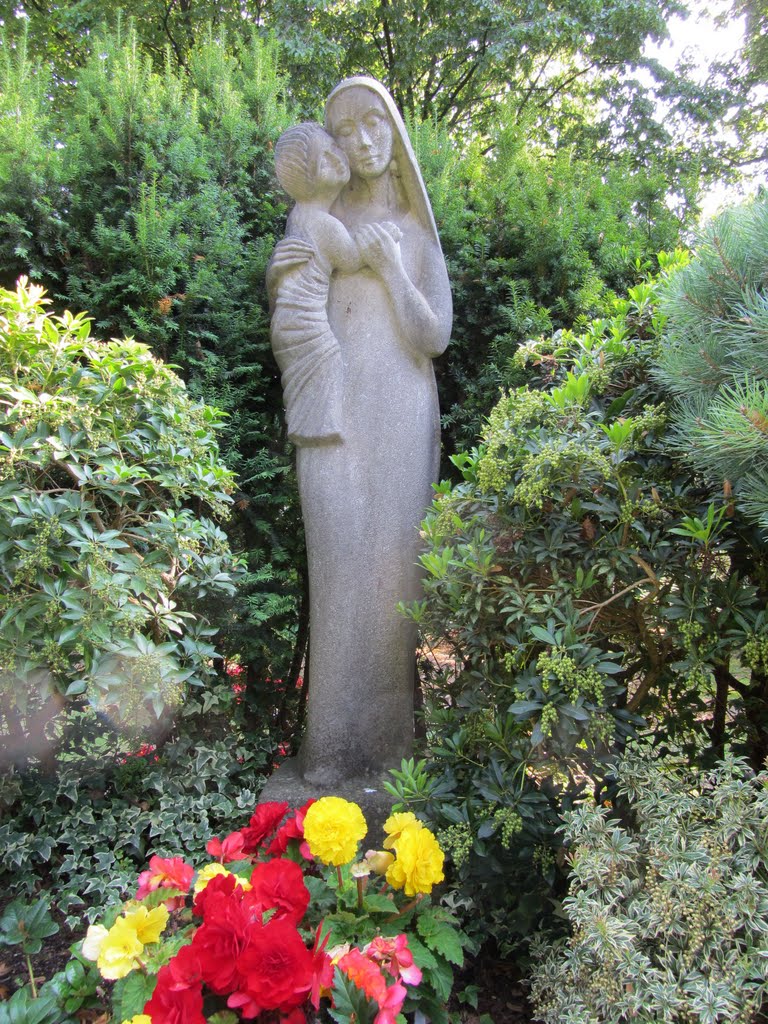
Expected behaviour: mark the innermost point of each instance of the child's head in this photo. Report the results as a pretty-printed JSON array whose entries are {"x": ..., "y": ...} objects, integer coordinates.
[{"x": 308, "y": 162}]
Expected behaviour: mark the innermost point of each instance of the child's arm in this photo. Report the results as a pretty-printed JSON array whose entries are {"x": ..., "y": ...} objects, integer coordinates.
[{"x": 337, "y": 245}]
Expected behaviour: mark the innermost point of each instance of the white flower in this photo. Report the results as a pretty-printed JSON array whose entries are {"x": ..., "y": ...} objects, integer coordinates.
[{"x": 93, "y": 941}]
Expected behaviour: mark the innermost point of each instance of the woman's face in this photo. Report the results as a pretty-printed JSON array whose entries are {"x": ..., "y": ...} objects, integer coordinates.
[{"x": 360, "y": 125}]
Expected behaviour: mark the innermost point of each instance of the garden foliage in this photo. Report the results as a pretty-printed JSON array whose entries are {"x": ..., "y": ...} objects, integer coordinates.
[
  {"x": 534, "y": 242},
  {"x": 111, "y": 485},
  {"x": 145, "y": 194},
  {"x": 159, "y": 207},
  {"x": 86, "y": 830},
  {"x": 582, "y": 580},
  {"x": 668, "y": 909},
  {"x": 714, "y": 367}
]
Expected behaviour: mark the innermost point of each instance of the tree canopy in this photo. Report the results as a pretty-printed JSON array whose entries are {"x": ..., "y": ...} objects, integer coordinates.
[{"x": 574, "y": 74}]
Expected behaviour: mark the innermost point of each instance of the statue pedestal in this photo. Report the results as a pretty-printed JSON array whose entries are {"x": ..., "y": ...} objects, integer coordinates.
[{"x": 367, "y": 791}]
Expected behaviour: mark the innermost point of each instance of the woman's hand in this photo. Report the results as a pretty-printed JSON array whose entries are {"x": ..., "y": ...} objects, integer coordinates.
[
  {"x": 289, "y": 253},
  {"x": 378, "y": 248}
]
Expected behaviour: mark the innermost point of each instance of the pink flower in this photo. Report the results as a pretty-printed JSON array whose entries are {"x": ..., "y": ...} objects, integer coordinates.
[
  {"x": 166, "y": 873},
  {"x": 367, "y": 976},
  {"x": 322, "y": 969},
  {"x": 391, "y": 1005},
  {"x": 394, "y": 956}
]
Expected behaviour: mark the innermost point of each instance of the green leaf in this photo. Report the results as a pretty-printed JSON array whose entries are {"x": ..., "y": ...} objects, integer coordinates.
[
  {"x": 543, "y": 635},
  {"x": 22, "y": 1008},
  {"x": 422, "y": 957},
  {"x": 27, "y": 925},
  {"x": 350, "y": 1002},
  {"x": 524, "y": 707},
  {"x": 130, "y": 994},
  {"x": 376, "y": 903},
  {"x": 440, "y": 935},
  {"x": 440, "y": 978}
]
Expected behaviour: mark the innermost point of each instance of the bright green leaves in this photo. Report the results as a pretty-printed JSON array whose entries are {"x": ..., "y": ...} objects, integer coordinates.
[
  {"x": 100, "y": 453},
  {"x": 702, "y": 531}
]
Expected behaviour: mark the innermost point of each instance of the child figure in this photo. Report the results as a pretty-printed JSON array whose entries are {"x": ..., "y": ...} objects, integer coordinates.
[{"x": 312, "y": 170}]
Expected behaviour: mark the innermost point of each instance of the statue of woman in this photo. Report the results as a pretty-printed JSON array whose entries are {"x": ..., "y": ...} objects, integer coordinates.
[{"x": 363, "y": 497}]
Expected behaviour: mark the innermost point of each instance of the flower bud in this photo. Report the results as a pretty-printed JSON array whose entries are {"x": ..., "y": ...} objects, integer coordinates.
[{"x": 379, "y": 860}]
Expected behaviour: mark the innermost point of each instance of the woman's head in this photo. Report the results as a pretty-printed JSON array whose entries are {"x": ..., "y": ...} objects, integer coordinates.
[
  {"x": 308, "y": 162},
  {"x": 365, "y": 121},
  {"x": 360, "y": 123}
]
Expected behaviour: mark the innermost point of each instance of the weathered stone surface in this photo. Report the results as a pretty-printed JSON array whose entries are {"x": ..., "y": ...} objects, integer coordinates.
[
  {"x": 360, "y": 290},
  {"x": 366, "y": 791}
]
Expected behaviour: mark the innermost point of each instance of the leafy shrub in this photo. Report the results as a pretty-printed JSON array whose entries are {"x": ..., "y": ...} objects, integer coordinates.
[
  {"x": 534, "y": 243},
  {"x": 84, "y": 832},
  {"x": 579, "y": 577},
  {"x": 107, "y": 469},
  {"x": 146, "y": 195},
  {"x": 669, "y": 913},
  {"x": 714, "y": 367}
]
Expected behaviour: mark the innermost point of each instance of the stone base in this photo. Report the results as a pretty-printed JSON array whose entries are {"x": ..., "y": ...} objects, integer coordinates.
[{"x": 367, "y": 791}]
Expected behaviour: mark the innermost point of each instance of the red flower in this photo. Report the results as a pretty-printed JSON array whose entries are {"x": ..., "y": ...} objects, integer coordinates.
[
  {"x": 280, "y": 883},
  {"x": 186, "y": 970},
  {"x": 230, "y": 849},
  {"x": 225, "y": 932},
  {"x": 276, "y": 967},
  {"x": 219, "y": 885},
  {"x": 174, "y": 1002},
  {"x": 296, "y": 1016},
  {"x": 292, "y": 829},
  {"x": 263, "y": 823}
]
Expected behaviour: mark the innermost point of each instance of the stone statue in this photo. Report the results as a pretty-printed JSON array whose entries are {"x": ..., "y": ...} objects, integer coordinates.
[{"x": 361, "y": 306}]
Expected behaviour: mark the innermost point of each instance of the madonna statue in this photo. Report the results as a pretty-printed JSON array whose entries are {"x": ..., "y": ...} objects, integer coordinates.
[{"x": 360, "y": 388}]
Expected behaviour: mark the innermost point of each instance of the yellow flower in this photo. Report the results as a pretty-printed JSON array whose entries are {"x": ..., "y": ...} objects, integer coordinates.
[
  {"x": 148, "y": 924},
  {"x": 419, "y": 862},
  {"x": 333, "y": 827},
  {"x": 211, "y": 870},
  {"x": 139, "y": 1018},
  {"x": 119, "y": 951},
  {"x": 93, "y": 941},
  {"x": 395, "y": 824}
]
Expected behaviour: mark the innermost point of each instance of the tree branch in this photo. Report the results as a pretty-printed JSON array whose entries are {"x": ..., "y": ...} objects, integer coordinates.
[{"x": 166, "y": 29}]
